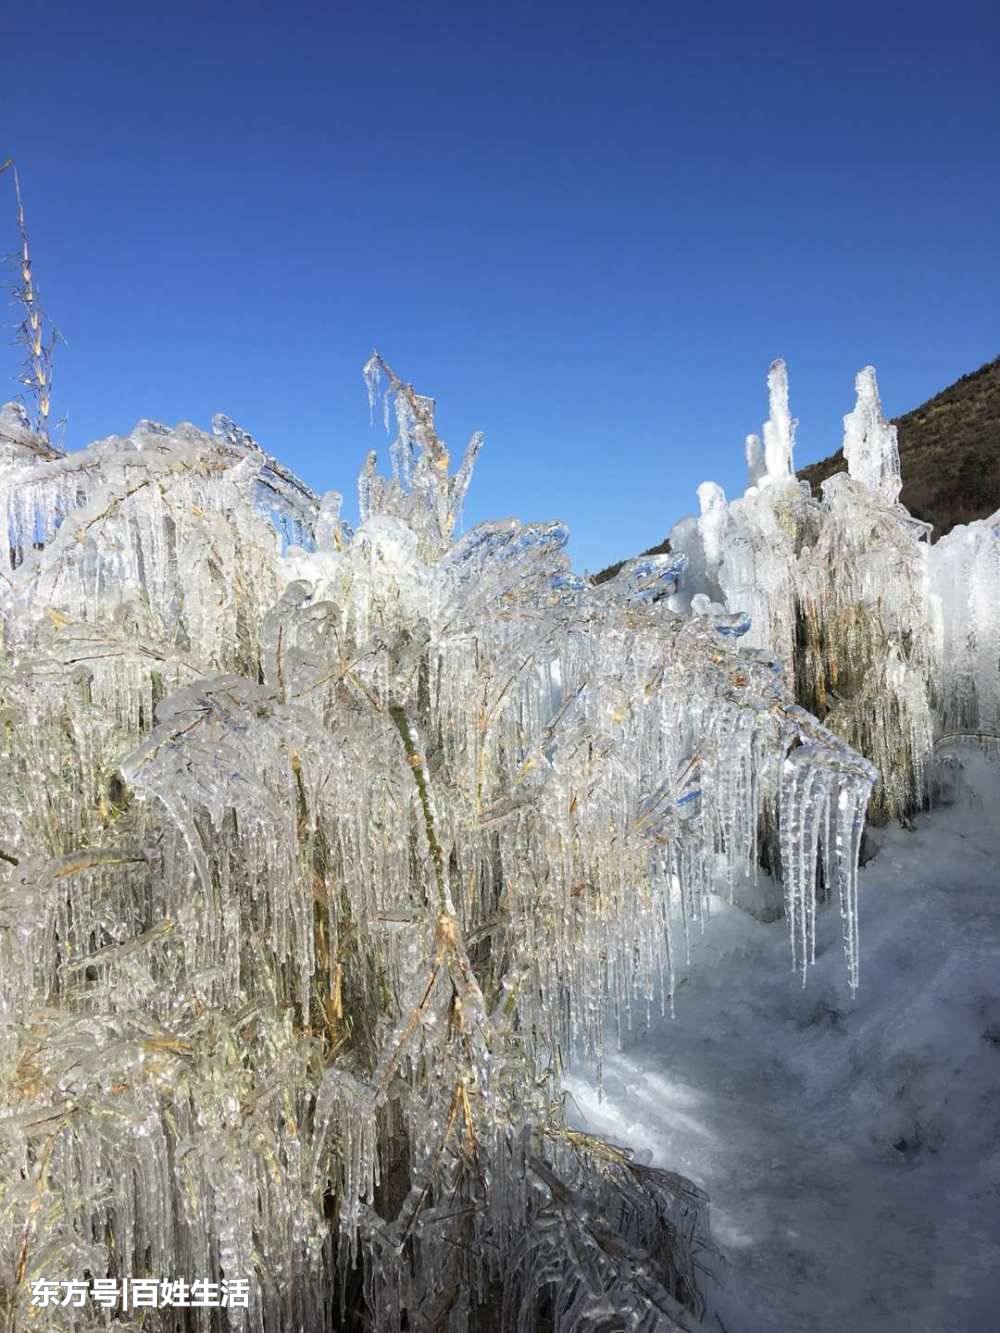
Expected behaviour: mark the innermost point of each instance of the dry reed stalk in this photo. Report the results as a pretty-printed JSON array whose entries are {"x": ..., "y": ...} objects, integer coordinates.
[{"x": 36, "y": 373}]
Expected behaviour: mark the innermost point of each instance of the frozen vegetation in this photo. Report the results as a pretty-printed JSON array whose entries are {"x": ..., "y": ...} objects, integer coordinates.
[
  {"x": 886, "y": 638},
  {"x": 323, "y": 851}
]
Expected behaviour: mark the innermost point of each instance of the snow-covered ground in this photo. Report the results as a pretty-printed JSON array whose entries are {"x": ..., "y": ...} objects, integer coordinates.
[{"x": 851, "y": 1149}]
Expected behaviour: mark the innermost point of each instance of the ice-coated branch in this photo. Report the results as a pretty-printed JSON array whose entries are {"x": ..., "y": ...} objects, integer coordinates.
[
  {"x": 37, "y": 373},
  {"x": 422, "y": 490},
  {"x": 421, "y": 776}
]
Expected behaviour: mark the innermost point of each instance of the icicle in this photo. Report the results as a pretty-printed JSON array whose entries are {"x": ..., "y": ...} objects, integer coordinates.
[{"x": 805, "y": 793}]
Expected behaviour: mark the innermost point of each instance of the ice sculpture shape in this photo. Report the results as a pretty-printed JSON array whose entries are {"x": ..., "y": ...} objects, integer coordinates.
[
  {"x": 870, "y": 448},
  {"x": 883, "y": 636},
  {"x": 965, "y": 578},
  {"x": 779, "y": 429},
  {"x": 322, "y": 851},
  {"x": 754, "y": 453}
]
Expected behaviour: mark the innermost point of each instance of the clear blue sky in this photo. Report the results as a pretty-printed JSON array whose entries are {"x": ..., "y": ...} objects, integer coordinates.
[{"x": 586, "y": 229}]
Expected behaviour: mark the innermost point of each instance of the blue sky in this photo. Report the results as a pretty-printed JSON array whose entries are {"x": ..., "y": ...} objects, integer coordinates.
[{"x": 585, "y": 229}]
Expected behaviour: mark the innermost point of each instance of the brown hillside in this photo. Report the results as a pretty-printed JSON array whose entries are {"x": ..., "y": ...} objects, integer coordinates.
[{"x": 949, "y": 453}]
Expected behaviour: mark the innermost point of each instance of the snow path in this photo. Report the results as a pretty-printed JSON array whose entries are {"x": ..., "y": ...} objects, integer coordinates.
[{"x": 851, "y": 1150}]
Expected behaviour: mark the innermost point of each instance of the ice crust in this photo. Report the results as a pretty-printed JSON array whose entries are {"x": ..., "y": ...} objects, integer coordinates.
[{"x": 323, "y": 852}]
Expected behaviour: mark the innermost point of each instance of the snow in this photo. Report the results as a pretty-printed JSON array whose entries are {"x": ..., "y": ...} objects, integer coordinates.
[{"x": 850, "y": 1149}]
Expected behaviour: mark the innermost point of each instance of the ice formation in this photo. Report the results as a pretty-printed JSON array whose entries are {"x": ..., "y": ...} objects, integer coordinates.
[
  {"x": 870, "y": 448},
  {"x": 965, "y": 574},
  {"x": 886, "y": 638},
  {"x": 323, "y": 850},
  {"x": 779, "y": 428}
]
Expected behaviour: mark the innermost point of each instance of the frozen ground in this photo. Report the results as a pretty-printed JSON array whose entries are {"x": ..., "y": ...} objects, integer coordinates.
[{"x": 851, "y": 1149}]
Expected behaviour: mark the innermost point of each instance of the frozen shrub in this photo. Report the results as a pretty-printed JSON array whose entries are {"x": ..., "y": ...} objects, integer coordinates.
[
  {"x": 884, "y": 637},
  {"x": 322, "y": 852}
]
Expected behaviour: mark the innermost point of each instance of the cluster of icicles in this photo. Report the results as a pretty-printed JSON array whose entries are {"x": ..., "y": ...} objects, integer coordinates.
[
  {"x": 890, "y": 640},
  {"x": 323, "y": 850}
]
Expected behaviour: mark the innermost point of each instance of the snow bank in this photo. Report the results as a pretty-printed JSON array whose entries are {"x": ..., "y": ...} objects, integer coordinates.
[{"x": 850, "y": 1148}]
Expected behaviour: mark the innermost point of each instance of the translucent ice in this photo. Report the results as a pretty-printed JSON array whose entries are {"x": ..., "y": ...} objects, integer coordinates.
[
  {"x": 779, "y": 429},
  {"x": 870, "y": 448},
  {"x": 872, "y": 627},
  {"x": 324, "y": 850}
]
